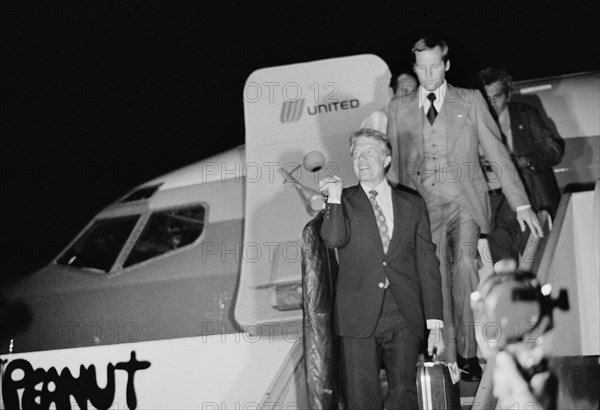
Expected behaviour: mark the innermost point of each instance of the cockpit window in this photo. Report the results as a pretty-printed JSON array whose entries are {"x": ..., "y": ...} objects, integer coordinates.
[
  {"x": 140, "y": 194},
  {"x": 166, "y": 231},
  {"x": 100, "y": 246},
  {"x": 163, "y": 231}
]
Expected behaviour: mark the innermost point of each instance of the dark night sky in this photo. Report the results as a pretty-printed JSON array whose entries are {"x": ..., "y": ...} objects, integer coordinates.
[{"x": 102, "y": 96}]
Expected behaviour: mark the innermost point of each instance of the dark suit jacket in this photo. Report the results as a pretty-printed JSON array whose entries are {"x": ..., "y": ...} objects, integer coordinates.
[
  {"x": 533, "y": 140},
  {"x": 469, "y": 128},
  {"x": 410, "y": 264}
]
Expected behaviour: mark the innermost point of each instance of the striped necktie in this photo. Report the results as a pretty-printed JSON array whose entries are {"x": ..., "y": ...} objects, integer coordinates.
[{"x": 383, "y": 229}]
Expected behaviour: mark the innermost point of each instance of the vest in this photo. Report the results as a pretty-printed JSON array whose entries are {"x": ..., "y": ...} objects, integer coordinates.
[{"x": 438, "y": 179}]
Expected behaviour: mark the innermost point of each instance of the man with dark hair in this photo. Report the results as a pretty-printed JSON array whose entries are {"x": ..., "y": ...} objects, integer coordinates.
[
  {"x": 403, "y": 84},
  {"x": 534, "y": 151},
  {"x": 388, "y": 286},
  {"x": 400, "y": 85},
  {"x": 436, "y": 138}
]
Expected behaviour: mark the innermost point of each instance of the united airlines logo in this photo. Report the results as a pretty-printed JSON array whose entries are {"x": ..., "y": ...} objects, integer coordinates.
[{"x": 291, "y": 111}]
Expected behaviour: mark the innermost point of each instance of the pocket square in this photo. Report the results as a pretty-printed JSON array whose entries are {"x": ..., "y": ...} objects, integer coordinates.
[{"x": 459, "y": 115}]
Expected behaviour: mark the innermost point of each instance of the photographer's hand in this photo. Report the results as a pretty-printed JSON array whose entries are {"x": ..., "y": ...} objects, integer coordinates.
[
  {"x": 522, "y": 378},
  {"x": 510, "y": 388}
]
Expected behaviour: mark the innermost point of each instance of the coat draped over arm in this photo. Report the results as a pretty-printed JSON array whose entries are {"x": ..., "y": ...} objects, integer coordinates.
[{"x": 321, "y": 352}]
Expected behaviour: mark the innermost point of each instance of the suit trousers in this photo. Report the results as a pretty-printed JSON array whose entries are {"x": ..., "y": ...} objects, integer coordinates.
[
  {"x": 391, "y": 345},
  {"x": 456, "y": 233}
]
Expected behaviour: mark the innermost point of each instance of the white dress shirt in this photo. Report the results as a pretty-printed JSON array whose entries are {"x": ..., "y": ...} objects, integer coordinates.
[
  {"x": 384, "y": 200},
  {"x": 440, "y": 96}
]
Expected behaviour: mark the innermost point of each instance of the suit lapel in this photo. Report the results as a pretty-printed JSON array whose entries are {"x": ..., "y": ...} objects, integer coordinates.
[
  {"x": 402, "y": 215},
  {"x": 412, "y": 120},
  {"x": 457, "y": 110},
  {"x": 516, "y": 128},
  {"x": 368, "y": 228}
]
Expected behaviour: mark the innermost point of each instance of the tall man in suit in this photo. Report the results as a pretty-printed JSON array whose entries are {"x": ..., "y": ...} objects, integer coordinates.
[
  {"x": 388, "y": 287},
  {"x": 436, "y": 137},
  {"x": 534, "y": 150}
]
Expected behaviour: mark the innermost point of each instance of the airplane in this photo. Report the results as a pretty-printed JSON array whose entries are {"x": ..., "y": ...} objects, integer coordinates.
[{"x": 186, "y": 292}]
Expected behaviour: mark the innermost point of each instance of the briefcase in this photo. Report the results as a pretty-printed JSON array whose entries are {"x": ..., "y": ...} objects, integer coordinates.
[{"x": 435, "y": 388}]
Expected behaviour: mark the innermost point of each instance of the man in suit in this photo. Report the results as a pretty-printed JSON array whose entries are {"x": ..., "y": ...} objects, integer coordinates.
[
  {"x": 436, "y": 136},
  {"x": 534, "y": 150},
  {"x": 388, "y": 287},
  {"x": 400, "y": 85}
]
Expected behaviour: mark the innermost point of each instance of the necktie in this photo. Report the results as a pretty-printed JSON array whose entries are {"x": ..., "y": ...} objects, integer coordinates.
[
  {"x": 383, "y": 229},
  {"x": 432, "y": 113}
]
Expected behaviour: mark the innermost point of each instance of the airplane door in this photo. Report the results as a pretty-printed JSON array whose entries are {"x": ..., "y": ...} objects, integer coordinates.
[{"x": 298, "y": 119}]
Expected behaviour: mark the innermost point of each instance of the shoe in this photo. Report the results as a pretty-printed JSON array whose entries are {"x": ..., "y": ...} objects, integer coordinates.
[{"x": 471, "y": 370}]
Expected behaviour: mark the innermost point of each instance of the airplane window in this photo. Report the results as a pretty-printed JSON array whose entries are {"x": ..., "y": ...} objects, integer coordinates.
[
  {"x": 139, "y": 194},
  {"x": 100, "y": 246},
  {"x": 167, "y": 231}
]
